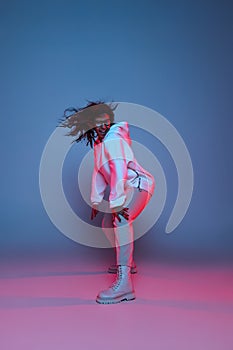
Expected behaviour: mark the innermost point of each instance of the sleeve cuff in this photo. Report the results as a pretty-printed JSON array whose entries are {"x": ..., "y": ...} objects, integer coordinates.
[{"x": 117, "y": 202}]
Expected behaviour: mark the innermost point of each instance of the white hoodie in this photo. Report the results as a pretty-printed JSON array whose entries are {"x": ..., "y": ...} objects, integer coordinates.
[{"x": 116, "y": 166}]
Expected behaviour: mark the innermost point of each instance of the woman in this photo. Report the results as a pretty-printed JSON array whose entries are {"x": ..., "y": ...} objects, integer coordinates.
[{"x": 131, "y": 187}]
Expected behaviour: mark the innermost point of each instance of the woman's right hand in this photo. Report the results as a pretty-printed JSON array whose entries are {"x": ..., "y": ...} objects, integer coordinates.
[{"x": 94, "y": 211}]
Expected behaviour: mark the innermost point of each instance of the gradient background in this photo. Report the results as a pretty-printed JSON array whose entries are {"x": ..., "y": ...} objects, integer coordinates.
[{"x": 172, "y": 56}]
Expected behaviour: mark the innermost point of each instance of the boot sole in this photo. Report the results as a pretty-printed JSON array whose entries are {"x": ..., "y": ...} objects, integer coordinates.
[{"x": 125, "y": 297}]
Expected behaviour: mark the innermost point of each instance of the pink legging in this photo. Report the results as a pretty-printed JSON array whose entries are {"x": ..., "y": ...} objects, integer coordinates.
[{"x": 120, "y": 234}]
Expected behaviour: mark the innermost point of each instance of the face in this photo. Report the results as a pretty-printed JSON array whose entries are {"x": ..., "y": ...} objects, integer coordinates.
[{"x": 102, "y": 125}]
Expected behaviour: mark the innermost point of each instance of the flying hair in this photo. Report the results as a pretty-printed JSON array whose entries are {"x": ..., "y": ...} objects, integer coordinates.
[{"x": 81, "y": 121}]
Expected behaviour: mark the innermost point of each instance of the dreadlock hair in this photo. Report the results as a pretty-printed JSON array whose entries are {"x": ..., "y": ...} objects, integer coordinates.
[{"x": 81, "y": 121}]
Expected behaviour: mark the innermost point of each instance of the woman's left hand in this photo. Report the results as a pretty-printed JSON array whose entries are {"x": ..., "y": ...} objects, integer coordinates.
[{"x": 116, "y": 212}]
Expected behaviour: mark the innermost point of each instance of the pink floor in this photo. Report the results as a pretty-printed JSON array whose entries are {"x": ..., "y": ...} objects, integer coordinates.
[{"x": 46, "y": 306}]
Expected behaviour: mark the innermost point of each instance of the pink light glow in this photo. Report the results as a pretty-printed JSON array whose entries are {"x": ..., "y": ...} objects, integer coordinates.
[{"x": 52, "y": 306}]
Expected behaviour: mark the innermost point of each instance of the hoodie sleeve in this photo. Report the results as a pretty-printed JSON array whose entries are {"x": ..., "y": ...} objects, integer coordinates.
[
  {"x": 117, "y": 152},
  {"x": 98, "y": 187}
]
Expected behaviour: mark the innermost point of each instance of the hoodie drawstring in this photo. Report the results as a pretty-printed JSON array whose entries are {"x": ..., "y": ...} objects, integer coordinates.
[{"x": 139, "y": 180}]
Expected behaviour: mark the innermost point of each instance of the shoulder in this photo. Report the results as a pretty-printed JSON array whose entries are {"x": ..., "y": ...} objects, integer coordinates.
[
  {"x": 117, "y": 142},
  {"x": 118, "y": 131}
]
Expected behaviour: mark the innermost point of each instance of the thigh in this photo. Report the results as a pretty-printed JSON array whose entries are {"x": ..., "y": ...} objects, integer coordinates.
[{"x": 138, "y": 202}]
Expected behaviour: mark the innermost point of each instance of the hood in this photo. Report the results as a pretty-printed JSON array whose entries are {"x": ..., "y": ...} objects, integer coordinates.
[{"x": 121, "y": 130}]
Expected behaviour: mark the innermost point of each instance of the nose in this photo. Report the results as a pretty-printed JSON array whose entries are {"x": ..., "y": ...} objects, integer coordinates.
[{"x": 103, "y": 126}]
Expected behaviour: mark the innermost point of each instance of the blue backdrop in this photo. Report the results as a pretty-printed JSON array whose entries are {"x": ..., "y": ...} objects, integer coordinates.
[{"x": 172, "y": 56}]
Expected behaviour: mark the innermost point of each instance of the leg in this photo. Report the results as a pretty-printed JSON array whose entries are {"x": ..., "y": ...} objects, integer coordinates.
[
  {"x": 122, "y": 289},
  {"x": 108, "y": 229},
  {"x": 124, "y": 238}
]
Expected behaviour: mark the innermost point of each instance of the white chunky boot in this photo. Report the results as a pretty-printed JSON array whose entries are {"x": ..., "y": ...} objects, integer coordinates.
[{"x": 121, "y": 290}]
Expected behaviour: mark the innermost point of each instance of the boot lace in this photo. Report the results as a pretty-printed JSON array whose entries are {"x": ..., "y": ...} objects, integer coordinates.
[{"x": 117, "y": 282}]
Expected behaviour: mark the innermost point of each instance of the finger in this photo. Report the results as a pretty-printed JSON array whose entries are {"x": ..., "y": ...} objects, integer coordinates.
[
  {"x": 118, "y": 217},
  {"x": 126, "y": 217},
  {"x": 114, "y": 216},
  {"x": 124, "y": 212},
  {"x": 93, "y": 213}
]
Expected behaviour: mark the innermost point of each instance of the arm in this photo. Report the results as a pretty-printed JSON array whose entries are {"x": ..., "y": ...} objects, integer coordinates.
[
  {"x": 118, "y": 170},
  {"x": 116, "y": 152},
  {"x": 97, "y": 192},
  {"x": 97, "y": 188}
]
